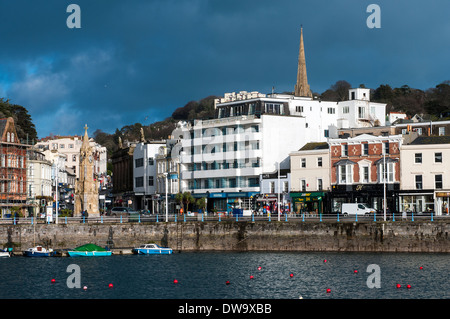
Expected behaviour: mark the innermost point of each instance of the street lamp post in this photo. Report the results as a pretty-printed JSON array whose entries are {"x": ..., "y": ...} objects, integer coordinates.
[
  {"x": 278, "y": 200},
  {"x": 167, "y": 188},
  {"x": 384, "y": 183}
]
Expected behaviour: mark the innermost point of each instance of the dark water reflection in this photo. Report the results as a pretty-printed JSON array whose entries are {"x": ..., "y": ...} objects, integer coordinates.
[{"x": 204, "y": 275}]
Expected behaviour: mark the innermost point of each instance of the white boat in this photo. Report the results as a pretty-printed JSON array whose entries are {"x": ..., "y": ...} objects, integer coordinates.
[
  {"x": 38, "y": 251},
  {"x": 4, "y": 253},
  {"x": 151, "y": 249}
]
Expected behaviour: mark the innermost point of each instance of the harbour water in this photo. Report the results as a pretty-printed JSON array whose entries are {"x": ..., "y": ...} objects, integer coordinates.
[{"x": 230, "y": 275}]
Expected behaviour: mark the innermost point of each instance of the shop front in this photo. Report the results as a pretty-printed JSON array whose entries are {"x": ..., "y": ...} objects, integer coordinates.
[
  {"x": 370, "y": 194},
  {"x": 417, "y": 201},
  {"x": 226, "y": 202},
  {"x": 309, "y": 202}
]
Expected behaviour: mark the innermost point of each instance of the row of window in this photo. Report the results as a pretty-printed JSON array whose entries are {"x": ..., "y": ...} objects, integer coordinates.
[
  {"x": 10, "y": 160},
  {"x": 224, "y": 147},
  {"x": 419, "y": 130},
  {"x": 345, "y": 110},
  {"x": 55, "y": 146},
  {"x": 241, "y": 163},
  {"x": 303, "y": 184},
  {"x": 437, "y": 157},
  {"x": 139, "y": 181},
  {"x": 231, "y": 182},
  {"x": 365, "y": 149},
  {"x": 285, "y": 187},
  {"x": 437, "y": 181},
  {"x": 139, "y": 162},
  {"x": 215, "y": 131},
  {"x": 303, "y": 162},
  {"x": 385, "y": 172}
]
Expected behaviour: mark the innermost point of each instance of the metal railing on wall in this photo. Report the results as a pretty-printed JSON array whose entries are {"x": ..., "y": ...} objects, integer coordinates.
[{"x": 305, "y": 217}]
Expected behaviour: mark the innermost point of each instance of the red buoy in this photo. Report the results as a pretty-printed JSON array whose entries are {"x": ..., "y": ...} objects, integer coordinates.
[
  {"x": 420, "y": 267},
  {"x": 227, "y": 282},
  {"x": 175, "y": 281},
  {"x": 399, "y": 286},
  {"x": 259, "y": 268},
  {"x": 328, "y": 290},
  {"x": 408, "y": 286},
  {"x": 251, "y": 277},
  {"x": 355, "y": 271},
  {"x": 53, "y": 281},
  {"x": 324, "y": 260},
  {"x": 291, "y": 275},
  {"x": 110, "y": 285}
]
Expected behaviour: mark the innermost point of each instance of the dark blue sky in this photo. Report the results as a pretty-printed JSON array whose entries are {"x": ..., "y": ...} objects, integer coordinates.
[{"x": 137, "y": 61}]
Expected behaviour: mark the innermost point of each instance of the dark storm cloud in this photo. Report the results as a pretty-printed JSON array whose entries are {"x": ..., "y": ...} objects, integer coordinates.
[{"x": 136, "y": 59}]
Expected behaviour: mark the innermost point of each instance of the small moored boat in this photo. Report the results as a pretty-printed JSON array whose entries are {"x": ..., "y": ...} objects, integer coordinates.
[
  {"x": 38, "y": 251},
  {"x": 89, "y": 250},
  {"x": 151, "y": 249},
  {"x": 5, "y": 253}
]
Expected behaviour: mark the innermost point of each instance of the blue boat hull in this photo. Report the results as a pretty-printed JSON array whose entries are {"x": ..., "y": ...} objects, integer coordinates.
[
  {"x": 37, "y": 254},
  {"x": 88, "y": 253},
  {"x": 143, "y": 251}
]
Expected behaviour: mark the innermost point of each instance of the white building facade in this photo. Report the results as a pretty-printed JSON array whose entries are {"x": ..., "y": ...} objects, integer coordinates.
[
  {"x": 222, "y": 159},
  {"x": 145, "y": 174},
  {"x": 425, "y": 175}
]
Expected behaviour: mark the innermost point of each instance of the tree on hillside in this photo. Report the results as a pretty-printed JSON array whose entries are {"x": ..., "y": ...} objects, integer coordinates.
[
  {"x": 337, "y": 92},
  {"x": 438, "y": 99},
  {"x": 25, "y": 128},
  {"x": 196, "y": 109}
]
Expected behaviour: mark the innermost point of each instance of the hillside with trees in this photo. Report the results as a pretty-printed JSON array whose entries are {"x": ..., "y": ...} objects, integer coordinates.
[{"x": 433, "y": 103}]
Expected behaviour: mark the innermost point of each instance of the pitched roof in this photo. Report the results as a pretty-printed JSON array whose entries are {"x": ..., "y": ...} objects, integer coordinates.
[
  {"x": 314, "y": 146},
  {"x": 421, "y": 140}
]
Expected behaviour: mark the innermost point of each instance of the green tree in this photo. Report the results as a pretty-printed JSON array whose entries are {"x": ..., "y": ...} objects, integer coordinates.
[
  {"x": 185, "y": 199},
  {"x": 201, "y": 203},
  {"x": 26, "y": 131}
]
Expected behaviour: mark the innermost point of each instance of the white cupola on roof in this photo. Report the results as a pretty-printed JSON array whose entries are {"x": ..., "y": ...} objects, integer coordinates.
[{"x": 359, "y": 94}]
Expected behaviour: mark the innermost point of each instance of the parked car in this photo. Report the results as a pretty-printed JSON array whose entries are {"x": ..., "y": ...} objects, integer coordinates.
[{"x": 121, "y": 211}]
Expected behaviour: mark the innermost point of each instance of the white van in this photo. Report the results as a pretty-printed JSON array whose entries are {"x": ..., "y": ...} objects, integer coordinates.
[{"x": 356, "y": 209}]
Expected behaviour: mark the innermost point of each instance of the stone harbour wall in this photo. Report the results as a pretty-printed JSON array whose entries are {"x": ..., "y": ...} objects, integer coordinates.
[{"x": 431, "y": 236}]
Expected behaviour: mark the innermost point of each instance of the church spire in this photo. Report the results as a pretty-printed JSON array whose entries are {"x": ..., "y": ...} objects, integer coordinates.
[{"x": 302, "y": 86}]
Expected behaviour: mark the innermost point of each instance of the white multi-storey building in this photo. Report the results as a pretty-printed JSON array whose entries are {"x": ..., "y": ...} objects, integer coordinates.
[
  {"x": 39, "y": 179},
  {"x": 223, "y": 158},
  {"x": 145, "y": 173}
]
